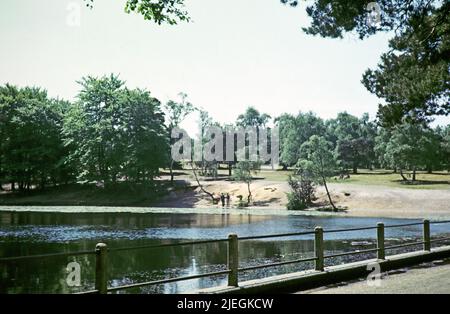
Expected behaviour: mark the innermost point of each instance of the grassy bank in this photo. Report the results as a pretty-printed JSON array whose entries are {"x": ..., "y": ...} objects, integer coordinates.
[
  {"x": 436, "y": 180},
  {"x": 88, "y": 195}
]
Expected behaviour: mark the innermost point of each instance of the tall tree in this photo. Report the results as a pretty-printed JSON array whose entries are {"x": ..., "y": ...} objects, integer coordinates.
[
  {"x": 252, "y": 118},
  {"x": 176, "y": 112},
  {"x": 116, "y": 133},
  {"x": 354, "y": 140},
  {"x": 318, "y": 161},
  {"x": 445, "y": 148},
  {"x": 412, "y": 146},
  {"x": 413, "y": 76},
  {"x": 296, "y": 130},
  {"x": 244, "y": 172},
  {"x": 145, "y": 134},
  {"x": 31, "y": 151}
]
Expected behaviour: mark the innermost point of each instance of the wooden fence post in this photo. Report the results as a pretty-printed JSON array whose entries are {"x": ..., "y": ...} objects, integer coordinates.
[
  {"x": 101, "y": 277},
  {"x": 318, "y": 248},
  {"x": 380, "y": 241},
  {"x": 426, "y": 235},
  {"x": 233, "y": 260}
]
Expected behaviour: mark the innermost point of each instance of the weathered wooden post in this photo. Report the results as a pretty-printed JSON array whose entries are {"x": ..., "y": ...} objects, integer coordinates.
[
  {"x": 101, "y": 277},
  {"x": 380, "y": 241},
  {"x": 233, "y": 260},
  {"x": 318, "y": 248},
  {"x": 426, "y": 235}
]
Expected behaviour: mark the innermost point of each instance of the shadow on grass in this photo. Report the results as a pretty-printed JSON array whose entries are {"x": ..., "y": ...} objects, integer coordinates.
[
  {"x": 421, "y": 182},
  {"x": 121, "y": 194}
]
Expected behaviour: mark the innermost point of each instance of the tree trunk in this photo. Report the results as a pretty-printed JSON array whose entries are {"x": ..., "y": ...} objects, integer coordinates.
[
  {"x": 249, "y": 197},
  {"x": 171, "y": 172},
  {"x": 328, "y": 193},
  {"x": 355, "y": 169},
  {"x": 229, "y": 169},
  {"x": 414, "y": 175},
  {"x": 402, "y": 175},
  {"x": 199, "y": 184}
]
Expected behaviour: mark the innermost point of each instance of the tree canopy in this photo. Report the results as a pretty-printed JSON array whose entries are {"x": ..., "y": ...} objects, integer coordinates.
[
  {"x": 116, "y": 133},
  {"x": 413, "y": 76}
]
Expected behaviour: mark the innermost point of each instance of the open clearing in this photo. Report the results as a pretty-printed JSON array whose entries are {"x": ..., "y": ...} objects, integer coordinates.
[{"x": 368, "y": 194}]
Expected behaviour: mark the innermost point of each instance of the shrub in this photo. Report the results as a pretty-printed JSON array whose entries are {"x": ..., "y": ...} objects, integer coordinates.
[{"x": 303, "y": 190}]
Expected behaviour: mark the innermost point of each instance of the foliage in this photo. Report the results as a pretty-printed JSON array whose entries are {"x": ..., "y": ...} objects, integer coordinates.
[
  {"x": 252, "y": 118},
  {"x": 159, "y": 11},
  {"x": 413, "y": 76},
  {"x": 412, "y": 146},
  {"x": 354, "y": 140},
  {"x": 445, "y": 147},
  {"x": 31, "y": 151},
  {"x": 244, "y": 172},
  {"x": 296, "y": 130},
  {"x": 116, "y": 133},
  {"x": 302, "y": 191},
  {"x": 176, "y": 112},
  {"x": 318, "y": 161}
]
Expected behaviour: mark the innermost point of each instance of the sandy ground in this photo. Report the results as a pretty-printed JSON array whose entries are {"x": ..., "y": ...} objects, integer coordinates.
[
  {"x": 360, "y": 200},
  {"x": 429, "y": 279}
]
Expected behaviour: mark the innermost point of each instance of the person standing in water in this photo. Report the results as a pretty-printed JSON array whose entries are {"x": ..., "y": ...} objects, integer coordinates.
[
  {"x": 228, "y": 199},
  {"x": 222, "y": 198}
]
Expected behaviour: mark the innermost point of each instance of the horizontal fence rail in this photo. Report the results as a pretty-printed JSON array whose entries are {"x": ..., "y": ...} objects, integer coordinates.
[{"x": 102, "y": 251}]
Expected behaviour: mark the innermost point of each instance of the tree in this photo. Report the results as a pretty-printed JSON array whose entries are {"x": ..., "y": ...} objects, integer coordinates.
[
  {"x": 116, "y": 133},
  {"x": 252, "y": 118},
  {"x": 294, "y": 131},
  {"x": 413, "y": 76},
  {"x": 302, "y": 191},
  {"x": 354, "y": 140},
  {"x": 412, "y": 146},
  {"x": 380, "y": 148},
  {"x": 244, "y": 172},
  {"x": 146, "y": 137},
  {"x": 205, "y": 122},
  {"x": 176, "y": 112},
  {"x": 445, "y": 147},
  {"x": 413, "y": 81},
  {"x": 92, "y": 126},
  {"x": 318, "y": 161},
  {"x": 31, "y": 151}
]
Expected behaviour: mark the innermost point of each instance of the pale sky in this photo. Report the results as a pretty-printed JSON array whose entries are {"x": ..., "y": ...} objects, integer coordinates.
[{"x": 234, "y": 54}]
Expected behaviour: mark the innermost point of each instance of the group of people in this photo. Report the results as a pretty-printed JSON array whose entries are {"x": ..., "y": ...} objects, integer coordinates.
[{"x": 225, "y": 198}]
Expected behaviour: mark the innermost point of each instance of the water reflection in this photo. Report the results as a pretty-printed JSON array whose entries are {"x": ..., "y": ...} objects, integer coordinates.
[{"x": 37, "y": 233}]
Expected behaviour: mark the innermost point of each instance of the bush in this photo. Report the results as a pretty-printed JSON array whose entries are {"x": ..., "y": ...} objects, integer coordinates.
[
  {"x": 294, "y": 202},
  {"x": 302, "y": 193}
]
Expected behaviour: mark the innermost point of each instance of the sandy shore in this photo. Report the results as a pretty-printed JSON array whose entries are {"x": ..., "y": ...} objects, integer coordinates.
[{"x": 360, "y": 200}]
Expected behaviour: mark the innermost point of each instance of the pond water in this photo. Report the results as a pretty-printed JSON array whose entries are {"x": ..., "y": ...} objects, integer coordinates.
[{"x": 28, "y": 233}]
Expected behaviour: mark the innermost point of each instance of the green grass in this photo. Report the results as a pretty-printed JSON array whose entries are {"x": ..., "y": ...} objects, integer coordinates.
[{"x": 436, "y": 180}]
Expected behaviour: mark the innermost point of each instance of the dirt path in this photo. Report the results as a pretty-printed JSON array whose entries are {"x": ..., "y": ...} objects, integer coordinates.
[
  {"x": 361, "y": 200},
  {"x": 429, "y": 279}
]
